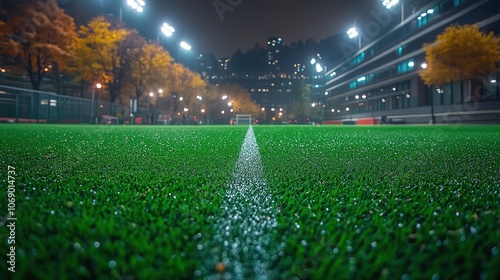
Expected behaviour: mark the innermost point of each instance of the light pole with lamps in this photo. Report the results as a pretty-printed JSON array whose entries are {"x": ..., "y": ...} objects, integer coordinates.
[
  {"x": 353, "y": 33},
  {"x": 391, "y": 3},
  {"x": 431, "y": 95},
  {"x": 93, "y": 115}
]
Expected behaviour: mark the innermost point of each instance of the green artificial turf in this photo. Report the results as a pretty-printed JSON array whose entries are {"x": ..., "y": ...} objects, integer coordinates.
[
  {"x": 392, "y": 202},
  {"x": 386, "y": 202}
]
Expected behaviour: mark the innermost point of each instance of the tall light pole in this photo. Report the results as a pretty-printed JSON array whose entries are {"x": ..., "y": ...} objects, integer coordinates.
[
  {"x": 431, "y": 95},
  {"x": 353, "y": 33},
  {"x": 93, "y": 115},
  {"x": 391, "y": 3}
]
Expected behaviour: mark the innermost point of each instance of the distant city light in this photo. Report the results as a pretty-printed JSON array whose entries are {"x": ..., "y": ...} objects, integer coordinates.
[{"x": 424, "y": 65}]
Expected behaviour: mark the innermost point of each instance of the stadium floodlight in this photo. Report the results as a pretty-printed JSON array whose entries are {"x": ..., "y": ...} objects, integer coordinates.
[
  {"x": 137, "y": 5},
  {"x": 167, "y": 29},
  {"x": 353, "y": 33},
  {"x": 185, "y": 46},
  {"x": 391, "y": 3}
]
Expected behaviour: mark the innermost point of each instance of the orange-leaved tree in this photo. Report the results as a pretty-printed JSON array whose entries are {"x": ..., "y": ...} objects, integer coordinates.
[
  {"x": 36, "y": 36},
  {"x": 461, "y": 53},
  {"x": 149, "y": 69},
  {"x": 99, "y": 55}
]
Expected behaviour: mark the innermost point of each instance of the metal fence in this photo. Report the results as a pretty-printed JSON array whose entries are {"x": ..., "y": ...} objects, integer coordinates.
[{"x": 19, "y": 105}]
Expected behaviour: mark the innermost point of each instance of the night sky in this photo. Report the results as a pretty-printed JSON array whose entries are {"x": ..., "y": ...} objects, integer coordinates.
[{"x": 250, "y": 21}]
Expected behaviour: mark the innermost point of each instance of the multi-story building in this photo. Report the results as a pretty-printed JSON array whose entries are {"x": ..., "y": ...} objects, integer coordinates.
[
  {"x": 381, "y": 78},
  {"x": 207, "y": 65},
  {"x": 274, "y": 49}
]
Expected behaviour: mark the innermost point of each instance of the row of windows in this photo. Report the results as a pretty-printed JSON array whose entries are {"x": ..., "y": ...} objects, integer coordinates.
[
  {"x": 402, "y": 101},
  {"x": 267, "y": 90},
  {"x": 382, "y": 74},
  {"x": 401, "y": 96}
]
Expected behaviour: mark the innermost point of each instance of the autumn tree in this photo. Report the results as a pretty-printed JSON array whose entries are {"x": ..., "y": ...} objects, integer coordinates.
[
  {"x": 149, "y": 66},
  {"x": 99, "y": 54},
  {"x": 36, "y": 35},
  {"x": 184, "y": 86},
  {"x": 461, "y": 53},
  {"x": 241, "y": 101}
]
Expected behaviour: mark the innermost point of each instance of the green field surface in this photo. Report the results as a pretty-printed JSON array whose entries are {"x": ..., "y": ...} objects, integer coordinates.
[{"x": 338, "y": 202}]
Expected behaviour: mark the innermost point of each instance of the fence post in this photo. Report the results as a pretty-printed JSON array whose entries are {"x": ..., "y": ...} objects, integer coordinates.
[
  {"x": 32, "y": 107},
  {"x": 81, "y": 111},
  {"x": 17, "y": 108},
  {"x": 64, "y": 111}
]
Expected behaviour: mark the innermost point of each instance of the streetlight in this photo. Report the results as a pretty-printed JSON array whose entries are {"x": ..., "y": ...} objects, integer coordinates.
[
  {"x": 391, "y": 3},
  {"x": 433, "y": 120},
  {"x": 353, "y": 33},
  {"x": 98, "y": 86}
]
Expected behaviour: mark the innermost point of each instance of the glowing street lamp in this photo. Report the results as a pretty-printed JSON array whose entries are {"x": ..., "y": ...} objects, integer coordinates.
[{"x": 98, "y": 86}]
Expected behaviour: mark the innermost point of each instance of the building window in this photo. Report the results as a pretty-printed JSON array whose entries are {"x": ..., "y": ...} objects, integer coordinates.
[{"x": 399, "y": 50}]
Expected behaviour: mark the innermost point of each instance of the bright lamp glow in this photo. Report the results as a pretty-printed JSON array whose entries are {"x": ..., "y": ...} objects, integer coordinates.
[
  {"x": 167, "y": 29},
  {"x": 389, "y": 3},
  {"x": 319, "y": 68},
  {"x": 185, "y": 46},
  {"x": 136, "y": 5},
  {"x": 352, "y": 32}
]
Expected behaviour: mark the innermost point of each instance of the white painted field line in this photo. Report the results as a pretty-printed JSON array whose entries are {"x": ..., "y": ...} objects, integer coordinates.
[{"x": 244, "y": 232}]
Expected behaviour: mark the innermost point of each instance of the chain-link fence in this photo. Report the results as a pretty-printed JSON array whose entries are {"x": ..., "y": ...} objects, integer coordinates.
[{"x": 19, "y": 105}]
